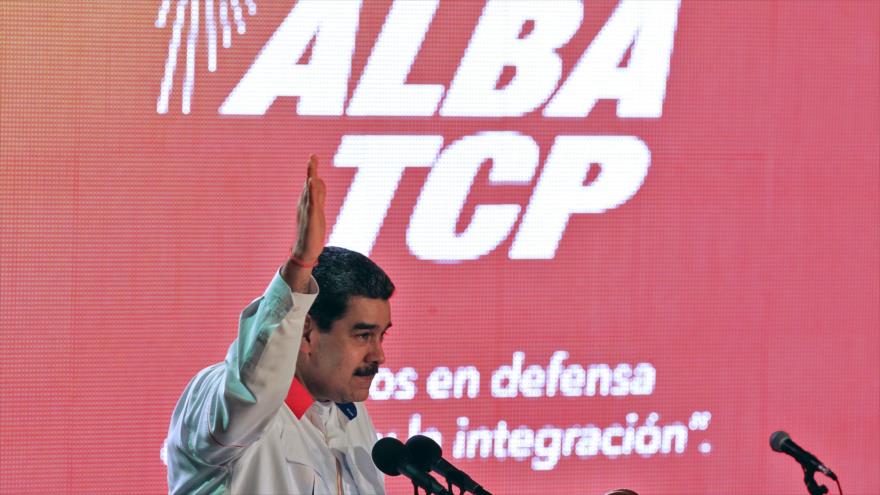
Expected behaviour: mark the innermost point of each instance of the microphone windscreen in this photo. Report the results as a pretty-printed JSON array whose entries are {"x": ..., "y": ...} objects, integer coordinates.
[
  {"x": 776, "y": 440},
  {"x": 387, "y": 453},
  {"x": 424, "y": 451}
]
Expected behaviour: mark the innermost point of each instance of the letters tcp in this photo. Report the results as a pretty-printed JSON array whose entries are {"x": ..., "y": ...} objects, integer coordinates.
[{"x": 558, "y": 193}]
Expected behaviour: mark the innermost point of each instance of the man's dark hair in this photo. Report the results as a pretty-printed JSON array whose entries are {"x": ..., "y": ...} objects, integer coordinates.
[{"x": 341, "y": 274}]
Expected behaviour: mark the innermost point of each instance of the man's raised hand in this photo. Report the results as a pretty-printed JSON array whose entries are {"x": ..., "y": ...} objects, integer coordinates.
[{"x": 310, "y": 232}]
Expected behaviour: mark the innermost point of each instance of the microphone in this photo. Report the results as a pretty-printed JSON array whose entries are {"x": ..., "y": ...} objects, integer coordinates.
[
  {"x": 781, "y": 442},
  {"x": 429, "y": 456},
  {"x": 390, "y": 456}
]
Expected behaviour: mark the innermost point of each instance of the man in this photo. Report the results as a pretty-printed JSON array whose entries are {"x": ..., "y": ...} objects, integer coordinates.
[{"x": 283, "y": 414}]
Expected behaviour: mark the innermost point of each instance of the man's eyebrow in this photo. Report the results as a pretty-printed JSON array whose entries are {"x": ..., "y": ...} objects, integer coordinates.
[{"x": 367, "y": 326}]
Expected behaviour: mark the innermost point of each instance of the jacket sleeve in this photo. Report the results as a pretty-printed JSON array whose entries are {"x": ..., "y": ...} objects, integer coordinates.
[{"x": 226, "y": 406}]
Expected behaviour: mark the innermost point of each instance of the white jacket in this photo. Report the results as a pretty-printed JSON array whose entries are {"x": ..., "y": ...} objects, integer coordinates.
[{"x": 246, "y": 426}]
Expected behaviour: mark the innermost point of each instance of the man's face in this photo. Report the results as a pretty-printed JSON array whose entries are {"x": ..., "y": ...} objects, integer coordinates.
[{"x": 339, "y": 365}]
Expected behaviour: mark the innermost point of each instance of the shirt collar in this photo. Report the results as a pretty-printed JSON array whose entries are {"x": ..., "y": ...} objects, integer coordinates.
[{"x": 299, "y": 400}]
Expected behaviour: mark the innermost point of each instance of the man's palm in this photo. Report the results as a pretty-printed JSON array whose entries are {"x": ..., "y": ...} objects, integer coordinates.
[{"x": 311, "y": 221}]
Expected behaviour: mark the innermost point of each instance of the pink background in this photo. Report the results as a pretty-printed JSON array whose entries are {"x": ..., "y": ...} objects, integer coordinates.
[{"x": 746, "y": 268}]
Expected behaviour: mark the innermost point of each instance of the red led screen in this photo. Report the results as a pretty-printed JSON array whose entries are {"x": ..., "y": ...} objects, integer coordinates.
[{"x": 630, "y": 239}]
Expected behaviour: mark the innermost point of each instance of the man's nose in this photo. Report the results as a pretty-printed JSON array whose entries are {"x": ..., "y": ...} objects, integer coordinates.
[{"x": 377, "y": 354}]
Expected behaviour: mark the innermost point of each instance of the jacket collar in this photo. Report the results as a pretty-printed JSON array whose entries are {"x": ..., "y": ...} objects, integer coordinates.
[{"x": 299, "y": 400}]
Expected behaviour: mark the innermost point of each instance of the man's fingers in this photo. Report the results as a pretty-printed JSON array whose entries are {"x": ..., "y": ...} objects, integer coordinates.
[
  {"x": 318, "y": 189},
  {"x": 313, "y": 166},
  {"x": 314, "y": 183}
]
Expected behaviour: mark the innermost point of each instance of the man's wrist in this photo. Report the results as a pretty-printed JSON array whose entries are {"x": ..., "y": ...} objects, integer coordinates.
[
  {"x": 302, "y": 263},
  {"x": 296, "y": 275}
]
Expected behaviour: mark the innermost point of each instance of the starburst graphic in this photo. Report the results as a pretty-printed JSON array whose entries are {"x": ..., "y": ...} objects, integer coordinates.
[{"x": 222, "y": 16}]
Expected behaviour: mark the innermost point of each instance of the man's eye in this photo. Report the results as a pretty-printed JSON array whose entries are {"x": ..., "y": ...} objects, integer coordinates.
[{"x": 363, "y": 336}]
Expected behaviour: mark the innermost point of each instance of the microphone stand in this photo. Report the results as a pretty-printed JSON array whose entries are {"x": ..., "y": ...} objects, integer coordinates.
[
  {"x": 813, "y": 487},
  {"x": 427, "y": 490}
]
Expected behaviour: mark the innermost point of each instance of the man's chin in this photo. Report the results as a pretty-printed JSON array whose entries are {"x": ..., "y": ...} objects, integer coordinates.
[
  {"x": 360, "y": 396},
  {"x": 362, "y": 388}
]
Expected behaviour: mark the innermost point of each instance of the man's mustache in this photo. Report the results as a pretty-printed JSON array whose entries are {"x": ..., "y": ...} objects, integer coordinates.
[{"x": 369, "y": 370}]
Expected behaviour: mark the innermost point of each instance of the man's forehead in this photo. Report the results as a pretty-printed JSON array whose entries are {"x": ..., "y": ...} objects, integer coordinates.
[
  {"x": 363, "y": 325},
  {"x": 365, "y": 312}
]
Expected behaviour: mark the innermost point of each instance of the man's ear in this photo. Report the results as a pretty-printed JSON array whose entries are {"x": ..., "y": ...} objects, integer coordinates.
[{"x": 308, "y": 327}]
